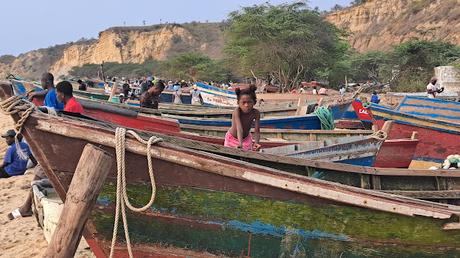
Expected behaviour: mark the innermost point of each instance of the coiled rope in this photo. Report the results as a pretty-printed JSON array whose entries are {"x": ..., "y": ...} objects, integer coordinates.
[
  {"x": 325, "y": 117},
  {"x": 122, "y": 199}
]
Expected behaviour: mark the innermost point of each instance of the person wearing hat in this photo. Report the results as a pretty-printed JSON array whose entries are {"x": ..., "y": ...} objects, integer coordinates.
[{"x": 16, "y": 157}]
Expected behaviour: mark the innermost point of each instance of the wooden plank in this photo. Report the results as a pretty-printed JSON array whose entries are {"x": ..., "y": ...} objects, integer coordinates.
[
  {"x": 376, "y": 184},
  {"x": 92, "y": 170},
  {"x": 365, "y": 181},
  {"x": 431, "y": 195}
]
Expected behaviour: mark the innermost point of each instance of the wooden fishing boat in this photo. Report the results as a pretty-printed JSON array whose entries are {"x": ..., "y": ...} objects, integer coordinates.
[
  {"x": 291, "y": 135},
  {"x": 355, "y": 150},
  {"x": 214, "y": 96},
  {"x": 208, "y": 206},
  {"x": 305, "y": 122},
  {"x": 436, "y": 109},
  {"x": 437, "y": 139},
  {"x": 361, "y": 152}
]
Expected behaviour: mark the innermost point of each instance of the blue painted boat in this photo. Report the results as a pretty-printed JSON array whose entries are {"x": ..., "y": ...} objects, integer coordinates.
[
  {"x": 214, "y": 96},
  {"x": 431, "y": 108},
  {"x": 310, "y": 121}
]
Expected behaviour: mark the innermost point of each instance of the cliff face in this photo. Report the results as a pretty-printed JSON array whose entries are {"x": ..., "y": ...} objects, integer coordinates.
[
  {"x": 380, "y": 24},
  {"x": 123, "y": 45}
]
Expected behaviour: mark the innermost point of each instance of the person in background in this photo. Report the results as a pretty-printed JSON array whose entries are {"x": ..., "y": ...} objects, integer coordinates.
[
  {"x": 322, "y": 91},
  {"x": 65, "y": 95},
  {"x": 49, "y": 92},
  {"x": 342, "y": 91},
  {"x": 146, "y": 85},
  {"x": 126, "y": 89},
  {"x": 315, "y": 91},
  {"x": 177, "y": 94},
  {"x": 170, "y": 85},
  {"x": 151, "y": 98},
  {"x": 15, "y": 164},
  {"x": 375, "y": 98},
  {"x": 432, "y": 88},
  {"x": 197, "y": 100},
  {"x": 81, "y": 85},
  {"x": 15, "y": 161},
  {"x": 243, "y": 117},
  {"x": 302, "y": 89}
]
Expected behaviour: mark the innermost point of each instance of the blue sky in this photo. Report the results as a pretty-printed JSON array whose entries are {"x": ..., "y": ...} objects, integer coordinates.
[{"x": 30, "y": 24}]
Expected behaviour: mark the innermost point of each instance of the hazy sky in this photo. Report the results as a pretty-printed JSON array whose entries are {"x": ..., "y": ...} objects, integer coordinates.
[{"x": 30, "y": 24}]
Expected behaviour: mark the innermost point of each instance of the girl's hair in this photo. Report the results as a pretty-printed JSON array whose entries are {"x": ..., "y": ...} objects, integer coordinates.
[{"x": 251, "y": 91}]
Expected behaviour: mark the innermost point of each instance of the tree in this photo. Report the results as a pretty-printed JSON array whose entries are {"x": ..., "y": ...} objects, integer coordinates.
[
  {"x": 416, "y": 59},
  {"x": 195, "y": 66},
  {"x": 289, "y": 42},
  {"x": 373, "y": 66}
]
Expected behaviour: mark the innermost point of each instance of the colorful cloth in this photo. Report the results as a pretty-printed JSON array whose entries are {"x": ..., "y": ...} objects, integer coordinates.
[{"x": 232, "y": 142}]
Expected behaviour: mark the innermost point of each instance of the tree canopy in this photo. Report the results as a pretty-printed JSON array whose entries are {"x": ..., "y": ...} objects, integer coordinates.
[{"x": 287, "y": 42}]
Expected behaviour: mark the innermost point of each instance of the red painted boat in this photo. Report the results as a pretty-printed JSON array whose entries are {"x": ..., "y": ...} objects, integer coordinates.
[
  {"x": 437, "y": 139},
  {"x": 396, "y": 153}
]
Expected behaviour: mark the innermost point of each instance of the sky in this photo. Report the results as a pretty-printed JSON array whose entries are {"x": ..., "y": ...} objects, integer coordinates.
[{"x": 29, "y": 24}]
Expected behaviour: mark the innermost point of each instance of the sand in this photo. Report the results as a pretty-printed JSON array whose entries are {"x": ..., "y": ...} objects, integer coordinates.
[{"x": 20, "y": 237}]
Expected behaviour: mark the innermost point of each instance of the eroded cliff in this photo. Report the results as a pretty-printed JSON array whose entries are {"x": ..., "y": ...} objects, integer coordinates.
[
  {"x": 120, "y": 44},
  {"x": 380, "y": 24}
]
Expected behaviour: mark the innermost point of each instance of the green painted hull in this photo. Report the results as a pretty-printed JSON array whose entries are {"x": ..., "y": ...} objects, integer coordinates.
[{"x": 229, "y": 224}]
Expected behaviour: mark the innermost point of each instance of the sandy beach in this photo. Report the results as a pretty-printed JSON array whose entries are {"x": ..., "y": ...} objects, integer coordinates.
[{"x": 20, "y": 237}]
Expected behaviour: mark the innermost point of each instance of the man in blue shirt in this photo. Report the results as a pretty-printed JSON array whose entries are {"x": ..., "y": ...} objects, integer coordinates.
[
  {"x": 13, "y": 164},
  {"x": 375, "y": 98},
  {"x": 49, "y": 91}
]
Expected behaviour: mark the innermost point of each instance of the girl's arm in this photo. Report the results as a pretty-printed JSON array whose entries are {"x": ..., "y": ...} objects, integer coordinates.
[
  {"x": 257, "y": 130},
  {"x": 239, "y": 126}
]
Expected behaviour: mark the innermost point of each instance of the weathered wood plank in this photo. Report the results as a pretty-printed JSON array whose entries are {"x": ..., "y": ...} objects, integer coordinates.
[{"x": 93, "y": 167}]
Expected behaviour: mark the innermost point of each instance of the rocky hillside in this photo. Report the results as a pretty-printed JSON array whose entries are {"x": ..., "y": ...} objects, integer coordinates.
[
  {"x": 119, "y": 44},
  {"x": 380, "y": 24}
]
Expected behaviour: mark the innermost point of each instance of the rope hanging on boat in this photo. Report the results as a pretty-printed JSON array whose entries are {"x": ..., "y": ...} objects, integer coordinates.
[
  {"x": 325, "y": 117},
  {"x": 15, "y": 105},
  {"x": 122, "y": 199}
]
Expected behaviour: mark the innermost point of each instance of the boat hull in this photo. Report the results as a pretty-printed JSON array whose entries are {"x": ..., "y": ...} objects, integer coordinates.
[
  {"x": 206, "y": 214},
  {"x": 437, "y": 139},
  {"x": 431, "y": 108},
  {"x": 214, "y": 96},
  {"x": 306, "y": 122},
  {"x": 360, "y": 152}
]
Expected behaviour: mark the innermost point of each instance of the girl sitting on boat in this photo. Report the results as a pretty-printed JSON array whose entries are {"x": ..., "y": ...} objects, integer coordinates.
[{"x": 243, "y": 117}]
